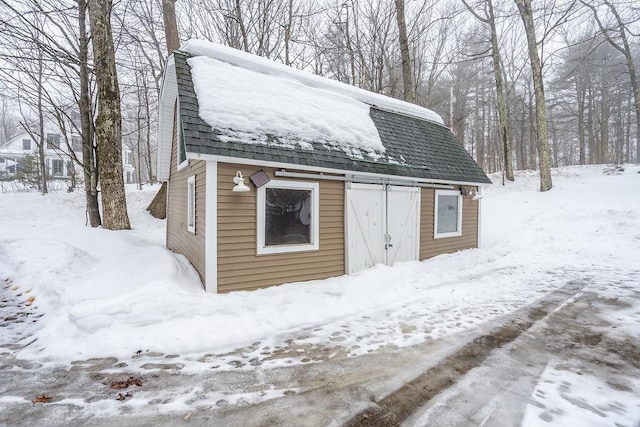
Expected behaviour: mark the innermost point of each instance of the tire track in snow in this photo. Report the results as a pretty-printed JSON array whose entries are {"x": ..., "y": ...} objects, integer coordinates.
[{"x": 393, "y": 409}]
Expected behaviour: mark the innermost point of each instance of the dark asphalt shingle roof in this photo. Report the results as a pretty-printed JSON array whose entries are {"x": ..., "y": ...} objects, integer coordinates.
[{"x": 414, "y": 147}]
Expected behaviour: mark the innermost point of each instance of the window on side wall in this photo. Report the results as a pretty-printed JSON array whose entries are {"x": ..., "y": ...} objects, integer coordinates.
[
  {"x": 288, "y": 217},
  {"x": 448, "y": 214},
  {"x": 191, "y": 204},
  {"x": 26, "y": 144}
]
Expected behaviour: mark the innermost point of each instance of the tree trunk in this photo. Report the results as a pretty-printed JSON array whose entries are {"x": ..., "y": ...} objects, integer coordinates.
[
  {"x": 489, "y": 19},
  {"x": 352, "y": 57},
  {"x": 581, "y": 134},
  {"x": 147, "y": 112},
  {"x": 287, "y": 33},
  {"x": 170, "y": 25},
  {"x": 604, "y": 129},
  {"x": 590, "y": 130},
  {"x": 407, "y": 79},
  {"x": 533, "y": 160},
  {"x": 544, "y": 156},
  {"x": 109, "y": 120},
  {"x": 502, "y": 103},
  {"x": 43, "y": 140},
  {"x": 522, "y": 151},
  {"x": 243, "y": 31},
  {"x": 86, "y": 118},
  {"x": 158, "y": 206}
]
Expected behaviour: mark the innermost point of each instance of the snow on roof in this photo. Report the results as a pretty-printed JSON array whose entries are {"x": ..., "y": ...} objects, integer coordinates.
[
  {"x": 261, "y": 97},
  {"x": 251, "y": 107}
]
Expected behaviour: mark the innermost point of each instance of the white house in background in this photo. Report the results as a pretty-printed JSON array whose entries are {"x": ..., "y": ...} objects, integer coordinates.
[
  {"x": 58, "y": 162},
  {"x": 57, "y": 158}
]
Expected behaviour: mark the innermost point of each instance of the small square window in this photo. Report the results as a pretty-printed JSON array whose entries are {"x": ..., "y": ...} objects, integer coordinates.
[
  {"x": 191, "y": 204},
  {"x": 26, "y": 144},
  {"x": 448, "y": 214},
  {"x": 288, "y": 217}
]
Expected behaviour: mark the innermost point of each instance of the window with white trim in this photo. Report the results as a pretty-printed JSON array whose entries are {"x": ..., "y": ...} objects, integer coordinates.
[
  {"x": 448, "y": 214},
  {"x": 191, "y": 204},
  {"x": 288, "y": 217}
]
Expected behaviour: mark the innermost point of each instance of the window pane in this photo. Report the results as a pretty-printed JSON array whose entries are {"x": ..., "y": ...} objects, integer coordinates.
[
  {"x": 447, "y": 214},
  {"x": 53, "y": 140},
  {"x": 287, "y": 217},
  {"x": 57, "y": 167},
  {"x": 76, "y": 143},
  {"x": 26, "y": 144}
]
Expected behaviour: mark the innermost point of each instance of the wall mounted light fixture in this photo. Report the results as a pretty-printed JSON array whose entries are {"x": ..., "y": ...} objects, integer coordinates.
[
  {"x": 471, "y": 192},
  {"x": 240, "y": 186}
]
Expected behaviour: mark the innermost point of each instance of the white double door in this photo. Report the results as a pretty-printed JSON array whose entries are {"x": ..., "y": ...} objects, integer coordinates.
[{"x": 382, "y": 225}]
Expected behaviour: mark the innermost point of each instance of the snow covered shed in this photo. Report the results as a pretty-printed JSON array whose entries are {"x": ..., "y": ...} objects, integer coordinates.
[{"x": 276, "y": 175}]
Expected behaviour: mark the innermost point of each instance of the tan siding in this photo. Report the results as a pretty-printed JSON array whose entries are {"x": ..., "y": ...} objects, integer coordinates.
[
  {"x": 178, "y": 238},
  {"x": 238, "y": 265},
  {"x": 430, "y": 247}
]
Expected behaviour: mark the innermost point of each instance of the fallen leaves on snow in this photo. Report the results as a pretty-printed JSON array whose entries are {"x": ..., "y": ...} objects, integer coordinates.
[
  {"x": 119, "y": 385},
  {"x": 124, "y": 396},
  {"x": 41, "y": 399}
]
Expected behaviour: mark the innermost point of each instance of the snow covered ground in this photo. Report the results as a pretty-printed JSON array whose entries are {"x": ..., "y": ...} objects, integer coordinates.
[{"x": 119, "y": 302}]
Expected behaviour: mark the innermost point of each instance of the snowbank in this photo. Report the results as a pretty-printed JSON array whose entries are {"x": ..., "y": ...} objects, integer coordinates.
[{"x": 113, "y": 293}]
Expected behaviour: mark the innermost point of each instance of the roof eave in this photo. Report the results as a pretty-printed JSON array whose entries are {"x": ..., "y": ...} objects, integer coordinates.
[{"x": 168, "y": 96}]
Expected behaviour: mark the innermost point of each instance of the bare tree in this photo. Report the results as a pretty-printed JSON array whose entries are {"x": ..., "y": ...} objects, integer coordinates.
[
  {"x": 90, "y": 169},
  {"x": 108, "y": 120},
  {"x": 490, "y": 21},
  {"x": 407, "y": 80},
  {"x": 170, "y": 25},
  {"x": 621, "y": 32},
  {"x": 544, "y": 155},
  {"x": 158, "y": 206}
]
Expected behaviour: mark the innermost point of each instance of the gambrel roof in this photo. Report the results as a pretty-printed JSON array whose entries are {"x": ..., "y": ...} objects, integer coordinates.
[{"x": 415, "y": 143}]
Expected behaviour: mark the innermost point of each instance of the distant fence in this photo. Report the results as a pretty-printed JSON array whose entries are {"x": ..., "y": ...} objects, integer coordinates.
[{"x": 15, "y": 186}]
